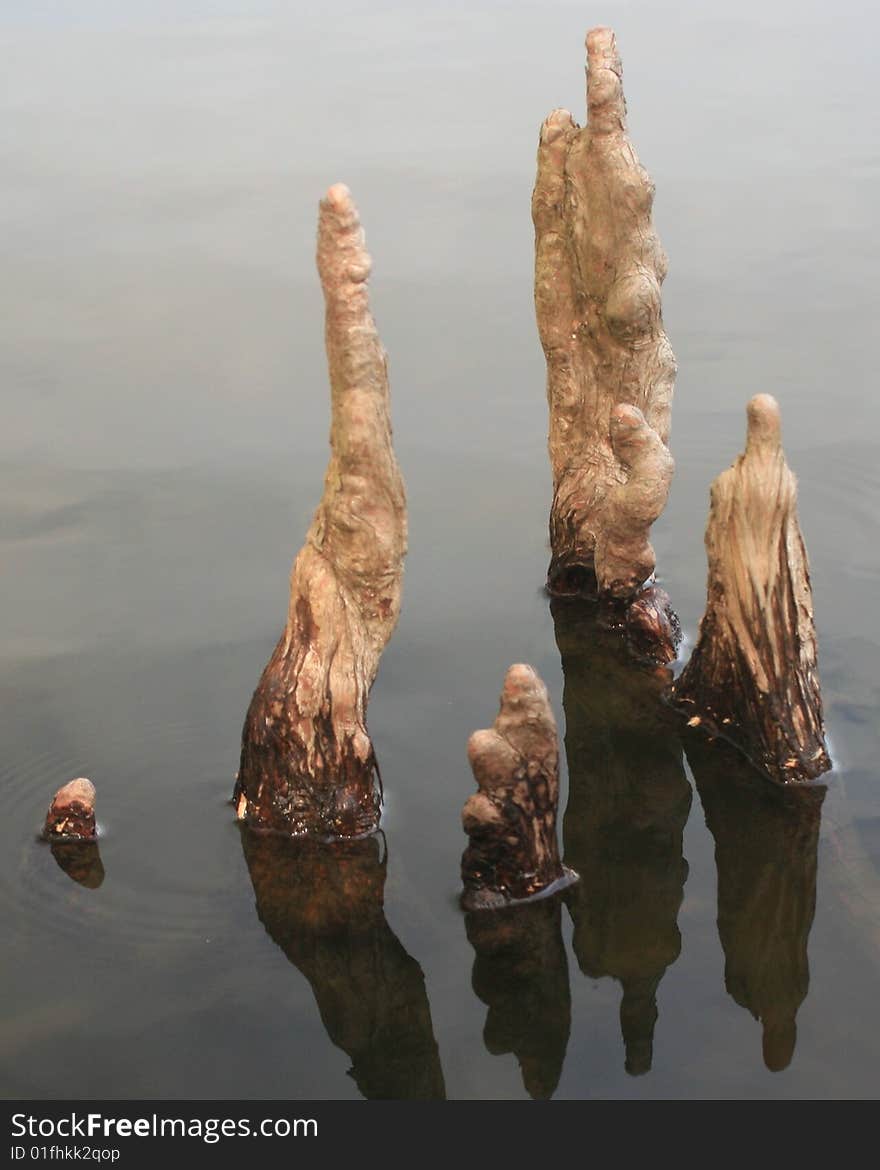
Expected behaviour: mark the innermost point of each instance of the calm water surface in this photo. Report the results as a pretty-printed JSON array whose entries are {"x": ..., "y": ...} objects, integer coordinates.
[{"x": 165, "y": 407}]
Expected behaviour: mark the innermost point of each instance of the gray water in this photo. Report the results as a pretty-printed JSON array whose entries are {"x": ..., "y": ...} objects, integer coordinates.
[{"x": 165, "y": 424}]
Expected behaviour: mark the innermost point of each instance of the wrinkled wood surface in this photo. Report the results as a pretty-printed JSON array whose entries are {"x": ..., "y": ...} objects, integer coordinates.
[
  {"x": 511, "y": 820},
  {"x": 753, "y": 675},
  {"x": 610, "y": 369},
  {"x": 307, "y": 762}
]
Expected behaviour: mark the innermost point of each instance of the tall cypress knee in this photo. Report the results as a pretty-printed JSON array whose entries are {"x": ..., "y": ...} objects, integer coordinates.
[
  {"x": 610, "y": 369},
  {"x": 307, "y": 762}
]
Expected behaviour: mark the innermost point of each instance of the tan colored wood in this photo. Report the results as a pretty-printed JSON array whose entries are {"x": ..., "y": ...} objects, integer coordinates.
[
  {"x": 513, "y": 853},
  {"x": 307, "y": 762},
  {"x": 610, "y": 369},
  {"x": 753, "y": 675}
]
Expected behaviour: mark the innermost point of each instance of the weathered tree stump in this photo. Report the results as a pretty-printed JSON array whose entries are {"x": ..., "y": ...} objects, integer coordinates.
[
  {"x": 322, "y": 904},
  {"x": 521, "y": 974},
  {"x": 628, "y": 802},
  {"x": 71, "y": 814},
  {"x": 307, "y": 762},
  {"x": 752, "y": 677},
  {"x": 766, "y": 844},
  {"x": 610, "y": 369},
  {"x": 513, "y": 854}
]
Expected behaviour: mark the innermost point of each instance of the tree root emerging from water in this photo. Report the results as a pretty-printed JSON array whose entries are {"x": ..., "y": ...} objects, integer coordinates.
[
  {"x": 610, "y": 369},
  {"x": 513, "y": 854},
  {"x": 753, "y": 676},
  {"x": 71, "y": 815},
  {"x": 307, "y": 762}
]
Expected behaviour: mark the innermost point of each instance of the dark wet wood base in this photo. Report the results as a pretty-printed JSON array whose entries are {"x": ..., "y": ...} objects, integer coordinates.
[
  {"x": 717, "y": 695},
  {"x": 71, "y": 815},
  {"x": 646, "y": 622},
  {"x": 296, "y": 777}
]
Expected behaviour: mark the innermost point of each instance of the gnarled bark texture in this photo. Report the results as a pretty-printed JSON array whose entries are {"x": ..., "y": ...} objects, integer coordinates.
[
  {"x": 752, "y": 676},
  {"x": 651, "y": 625},
  {"x": 766, "y": 844},
  {"x": 521, "y": 974},
  {"x": 513, "y": 854},
  {"x": 71, "y": 814},
  {"x": 322, "y": 904},
  {"x": 628, "y": 802},
  {"x": 307, "y": 763},
  {"x": 610, "y": 369}
]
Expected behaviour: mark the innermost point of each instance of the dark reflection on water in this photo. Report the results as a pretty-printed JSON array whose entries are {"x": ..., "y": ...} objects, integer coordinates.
[
  {"x": 766, "y": 842},
  {"x": 81, "y": 861},
  {"x": 324, "y": 907},
  {"x": 627, "y": 806},
  {"x": 521, "y": 974}
]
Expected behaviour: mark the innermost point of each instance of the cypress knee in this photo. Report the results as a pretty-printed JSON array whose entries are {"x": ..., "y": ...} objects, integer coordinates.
[
  {"x": 753, "y": 675},
  {"x": 307, "y": 761},
  {"x": 610, "y": 369},
  {"x": 71, "y": 814},
  {"x": 513, "y": 853}
]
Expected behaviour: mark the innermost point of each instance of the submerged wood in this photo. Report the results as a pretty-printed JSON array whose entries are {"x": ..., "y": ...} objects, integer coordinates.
[
  {"x": 628, "y": 803},
  {"x": 513, "y": 854},
  {"x": 71, "y": 814},
  {"x": 610, "y": 369},
  {"x": 753, "y": 675},
  {"x": 322, "y": 903},
  {"x": 521, "y": 974},
  {"x": 766, "y": 845},
  {"x": 307, "y": 762}
]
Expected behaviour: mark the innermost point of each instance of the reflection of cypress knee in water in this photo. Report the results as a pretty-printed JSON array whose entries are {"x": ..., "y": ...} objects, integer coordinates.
[
  {"x": 627, "y": 806},
  {"x": 323, "y": 905},
  {"x": 81, "y": 861},
  {"x": 521, "y": 974},
  {"x": 766, "y": 842},
  {"x": 638, "y": 1015}
]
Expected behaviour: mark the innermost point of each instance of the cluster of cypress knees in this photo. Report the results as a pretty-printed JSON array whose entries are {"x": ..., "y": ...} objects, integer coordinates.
[{"x": 308, "y": 769}]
